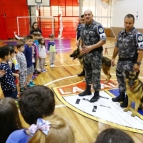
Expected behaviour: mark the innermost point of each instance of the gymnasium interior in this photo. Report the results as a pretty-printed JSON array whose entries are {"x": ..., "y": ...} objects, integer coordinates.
[{"x": 61, "y": 17}]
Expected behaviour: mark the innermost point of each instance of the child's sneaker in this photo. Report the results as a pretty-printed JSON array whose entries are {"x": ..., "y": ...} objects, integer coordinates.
[
  {"x": 37, "y": 72},
  {"x": 53, "y": 65},
  {"x": 33, "y": 77},
  {"x": 22, "y": 89},
  {"x": 32, "y": 83},
  {"x": 44, "y": 70}
]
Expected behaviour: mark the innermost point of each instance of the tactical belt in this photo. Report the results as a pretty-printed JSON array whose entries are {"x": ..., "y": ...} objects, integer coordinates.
[{"x": 126, "y": 59}]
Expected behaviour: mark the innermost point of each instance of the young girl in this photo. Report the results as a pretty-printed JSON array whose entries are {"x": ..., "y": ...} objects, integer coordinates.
[
  {"x": 52, "y": 50},
  {"x": 59, "y": 131},
  {"x": 9, "y": 118},
  {"x": 42, "y": 54}
]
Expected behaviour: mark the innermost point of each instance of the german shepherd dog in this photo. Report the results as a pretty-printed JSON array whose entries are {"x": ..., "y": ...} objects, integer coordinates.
[
  {"x": 106, "y": 63},
  {"x": 134, "y": 90}
]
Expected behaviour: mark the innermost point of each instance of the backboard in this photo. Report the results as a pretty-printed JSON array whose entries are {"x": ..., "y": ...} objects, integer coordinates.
[{"x": 38, "y": 2}]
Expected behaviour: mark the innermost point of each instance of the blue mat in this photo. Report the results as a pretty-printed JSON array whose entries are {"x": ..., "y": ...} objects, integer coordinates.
[{"x": 116, "y": 93}]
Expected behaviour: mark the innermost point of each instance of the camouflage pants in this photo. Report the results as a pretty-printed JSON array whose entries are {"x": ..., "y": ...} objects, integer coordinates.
[
  {"x": 122, "y": 66},
  {"x": 92, "y": 66}
]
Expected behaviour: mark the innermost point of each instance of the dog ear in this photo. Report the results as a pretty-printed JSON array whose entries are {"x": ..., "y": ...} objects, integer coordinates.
[
  {"x": 127, "y": 73},
  {"x": 137, "y": 74}
]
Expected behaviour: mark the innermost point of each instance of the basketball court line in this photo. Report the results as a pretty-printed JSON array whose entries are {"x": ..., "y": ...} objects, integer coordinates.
[
  {"x": 120, "y": 119},
  {"x": 83, "y": 111},
  {"x": 59, "y": 106}
]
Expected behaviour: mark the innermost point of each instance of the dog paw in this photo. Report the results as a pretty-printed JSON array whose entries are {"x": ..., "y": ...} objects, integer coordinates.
[
  {"x": 126, "y": 110},
  {"x": 133, "y": 115}
]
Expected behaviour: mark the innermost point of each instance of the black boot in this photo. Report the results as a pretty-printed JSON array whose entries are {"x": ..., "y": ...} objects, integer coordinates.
[
  {"x": 87, "y": 91},
  {"x": 95, "y": 97},
  {"x": 125, "y": 102},
  {"x": 82, "y": 73},
  {"x": 119, "y": 98}
]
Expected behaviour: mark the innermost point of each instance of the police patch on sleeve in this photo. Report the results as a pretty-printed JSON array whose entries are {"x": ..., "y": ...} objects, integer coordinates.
[
  {"x": 140, "y": 41},
  {"x": 101, "y": 32},
  {"x": 140, "y": 38}
]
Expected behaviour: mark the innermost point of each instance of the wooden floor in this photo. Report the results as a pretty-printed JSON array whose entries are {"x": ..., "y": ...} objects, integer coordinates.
[{"x": 86, "y": 130}]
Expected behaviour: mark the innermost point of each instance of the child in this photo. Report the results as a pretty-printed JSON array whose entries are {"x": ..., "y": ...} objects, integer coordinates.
[
  {"x": 112, "y": 135},
  {"x": 22, "y": 66},
  {"x": 28, "y": 56},
  {"x": 14, "y": 66},
  {"x": 52, "y": 50},
  {"x": 9, "y": 118},
  {"x": 36, "y": 37},
  {"x": 42, "y": 54},
  {"x": 38, "y": 102},
  {"x": 7, "y": 80},
  {"x": 59, "y": 131}
]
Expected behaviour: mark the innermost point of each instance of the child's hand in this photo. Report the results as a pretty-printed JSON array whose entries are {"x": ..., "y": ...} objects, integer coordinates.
[
  {"x": 56, "y": 52},
  {"x": 14, "y": 89},
  {"x": 2, "y": 72},
  {"x": 17, "y": 75}
]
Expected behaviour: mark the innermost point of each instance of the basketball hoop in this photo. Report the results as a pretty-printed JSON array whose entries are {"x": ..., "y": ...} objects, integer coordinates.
[{"x": 38, "y": 2}]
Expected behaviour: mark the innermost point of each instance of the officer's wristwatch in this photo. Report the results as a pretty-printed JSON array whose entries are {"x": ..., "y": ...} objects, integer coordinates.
[{"x": 138, "y": 63}]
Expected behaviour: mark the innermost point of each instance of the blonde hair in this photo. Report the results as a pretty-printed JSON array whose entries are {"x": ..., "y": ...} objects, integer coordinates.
[{"x": 60, "y": 132}]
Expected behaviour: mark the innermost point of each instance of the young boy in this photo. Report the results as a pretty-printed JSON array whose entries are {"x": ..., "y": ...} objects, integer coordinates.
[
  {"x": 7, "y": 80},
  {"x": 35, "y": 102},
  {"x": 52, "y": 50},
  {"x": 14, "y": 66},
  {"x": 22, "y": 66},
  {"x": 36, "y": 36},
  {"x": 28, "y": 56}
]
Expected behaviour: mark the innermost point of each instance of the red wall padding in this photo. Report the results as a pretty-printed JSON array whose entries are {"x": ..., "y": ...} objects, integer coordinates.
[
  {"x": 3, "y": 30},
  {"x": 70, "y": 18},
  {"x": 12, "y": 9}
]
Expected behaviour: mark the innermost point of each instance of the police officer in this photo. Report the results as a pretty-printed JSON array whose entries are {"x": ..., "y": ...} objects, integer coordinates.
[
  {"x": 129, "y": 47},
  {"x": 92, "y": 38}
]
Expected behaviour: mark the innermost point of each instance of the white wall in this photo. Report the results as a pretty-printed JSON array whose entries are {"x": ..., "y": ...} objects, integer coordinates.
[
  {"x": 101, "y": 11},
  {"x": 120, "y": 8}
]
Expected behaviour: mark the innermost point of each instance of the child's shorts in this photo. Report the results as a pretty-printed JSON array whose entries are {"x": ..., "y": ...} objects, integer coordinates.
[
  {"x": 30, "y": 70},
  {"x": 10, "y": 93}
]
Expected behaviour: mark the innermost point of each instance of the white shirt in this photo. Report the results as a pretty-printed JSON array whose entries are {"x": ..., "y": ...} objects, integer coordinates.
[{"x": 42, "y": 51}]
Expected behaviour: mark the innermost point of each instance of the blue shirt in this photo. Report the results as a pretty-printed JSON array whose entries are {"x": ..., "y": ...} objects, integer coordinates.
[
  {"x": 50, "y": 43},
  {"x": 18, "y": 136},
  {"x": 28, "y": 55},
  {"x": 7, "y": 80}
]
